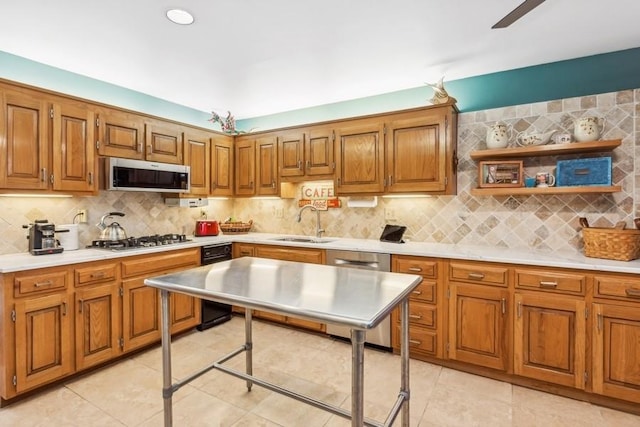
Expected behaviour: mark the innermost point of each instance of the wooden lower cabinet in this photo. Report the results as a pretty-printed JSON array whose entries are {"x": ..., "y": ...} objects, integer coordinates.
[
  {"x": 479, "y": 325},
  {"x": 43, "y": 340},
  {"x": 140, "y": 314},
  {"x": 549, "y": 338},
  {"x": 616, "y": 351},
  {"x": 426, "y": 311},
  {"x": 97, "y": 328}
]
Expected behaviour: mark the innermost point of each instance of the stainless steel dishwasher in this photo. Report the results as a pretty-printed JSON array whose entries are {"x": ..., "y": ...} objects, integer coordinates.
[{"x": 381, "y": 334}]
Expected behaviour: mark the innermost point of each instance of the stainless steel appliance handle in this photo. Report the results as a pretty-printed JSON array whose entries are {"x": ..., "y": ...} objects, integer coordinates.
[{"x": 370, "y": 264}]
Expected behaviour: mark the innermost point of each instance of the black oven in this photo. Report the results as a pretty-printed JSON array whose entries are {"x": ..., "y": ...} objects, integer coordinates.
[{"x": 214, "y": 313}]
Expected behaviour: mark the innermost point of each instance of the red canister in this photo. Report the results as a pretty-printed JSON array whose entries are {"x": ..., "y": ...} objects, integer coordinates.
[{"x": 207, "y": 228}]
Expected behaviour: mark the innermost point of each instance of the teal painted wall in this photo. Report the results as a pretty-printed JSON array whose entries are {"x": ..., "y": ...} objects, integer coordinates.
[
  {"x": 577, "y": 77},
  {"x": 33, "y": 73},
  {"x": 608, "y": 72}
]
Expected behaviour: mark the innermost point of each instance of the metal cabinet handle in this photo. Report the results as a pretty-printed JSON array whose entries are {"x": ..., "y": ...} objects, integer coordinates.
[
  {"x": 546, "y": 284},
  {"x": 41, "y": 284},
  {"x": 64, "y": 308},
  {"x": 415, "y": 316},
  {"x": 416, "y": 269},
  {"x": 273, "y": 184},
  {"x": 80, "y": 305},
  {"x": 519, "y": 309},
  {"x": 308, "y": 164},
  {"x": 503, "y": 305},
  {"x": 478, "y": 276},
  {"x": 415, "y": 342},
  {"x": 417, "y": 292},
  {"x": 90, "y": 178},
  {"x": 150, "y": 149},
  {"x": 633, "y": 293},
  {"x": 43, "y": 174},
  {"x": 600, "y": 321},
  {"x": 390, "y": 180},
  {"x": 300, "y": 164}
]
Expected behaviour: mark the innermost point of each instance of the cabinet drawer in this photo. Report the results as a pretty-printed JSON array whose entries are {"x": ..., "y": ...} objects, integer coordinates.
[
  {"x": 484, "y": 273},
  {"x": 416, "y": 265},
  {"x": 421, "y": 340},
  {"x": 424, "y": 292},
  {"x": 618, "y": 287},
  {"x": 554, "y": 281},
  {"x": 95, "y": 274},
  {"x": 40, "y": 283},
  {"x": 161, "y": 262},
  {"x": 422, "y": 314}
]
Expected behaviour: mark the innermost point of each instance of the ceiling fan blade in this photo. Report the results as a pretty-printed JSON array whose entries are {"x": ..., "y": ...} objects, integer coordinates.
[{"x": 525, "y": 7}]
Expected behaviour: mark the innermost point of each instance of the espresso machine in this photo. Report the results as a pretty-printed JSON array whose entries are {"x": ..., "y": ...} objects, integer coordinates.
[{"x": 42, "y": 239}]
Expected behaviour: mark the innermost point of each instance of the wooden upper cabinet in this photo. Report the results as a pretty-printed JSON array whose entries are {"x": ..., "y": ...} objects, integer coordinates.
[
  {"x": 120, "y": 134},
  {"x": 291, "y": 154},
  {"x": 360, "y": 157},
  {"x": 74, "y": 157},
  {"x": 268, "y": 183},
  {"x": 24, "y": 142},
  {"x": 416, "y": 152},
  {"x": 221, "y": 165},
  {"x": 245, "y": 166},
  {"x": 197, "y": 148},
  {"x": 164, "y": 142},
  {"x": 306, "y": 154}
]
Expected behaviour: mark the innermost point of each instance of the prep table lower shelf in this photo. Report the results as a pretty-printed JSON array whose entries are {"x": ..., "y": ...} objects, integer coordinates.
[{"x": 358, "y": 299}]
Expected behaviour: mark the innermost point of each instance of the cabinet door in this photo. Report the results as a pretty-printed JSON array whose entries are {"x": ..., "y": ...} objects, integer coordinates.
[
  {"x": 140, "y": 314},
  {"x": 97, "y": 325},
  {"x": 549, "y": 339},
  {"x": 24, "y": 144},
  {"x": 318, "y": 153},
  {"x": 185, "y": 312},
  {"x": 221, "y": 166},
  {"x": 74, "y": 157},
  {"x": 291, "y": 154},
  {"x": 478, "y": 325},
  {"x": 312, "y": 256},
  {"x": 245, "y": 167},
  {"x": 616, "y": 351},
  {"x": 243, "y": 249},
  {"x": 416, "y": 153},
  {"x": 197, "y": 156},
  {"x": 164, "y": 143},
  {"x": 44, "y": 337},
  {"x": 120, "y": 134},
  {"x": 267, "y": 166},
  {"x": 360, "y": 160}
]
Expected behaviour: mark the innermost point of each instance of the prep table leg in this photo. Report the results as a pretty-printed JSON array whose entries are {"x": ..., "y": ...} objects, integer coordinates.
[
  {"x": 357, "y": 377},
  {"x": 167, "y": 390},
  {"x": 249, "y": 345},
  {"x": 404, "y": 359}
]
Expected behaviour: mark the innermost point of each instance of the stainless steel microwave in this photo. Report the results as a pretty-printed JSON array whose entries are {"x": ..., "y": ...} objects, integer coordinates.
[{"x": 139, "y": 175}]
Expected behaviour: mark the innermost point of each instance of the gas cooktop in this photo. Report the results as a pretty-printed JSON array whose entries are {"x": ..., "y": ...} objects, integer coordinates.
[{"x": 139, "y": 242}]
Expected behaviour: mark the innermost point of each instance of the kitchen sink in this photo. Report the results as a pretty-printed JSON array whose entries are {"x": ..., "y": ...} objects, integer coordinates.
[{"x": 302, "y": 239}]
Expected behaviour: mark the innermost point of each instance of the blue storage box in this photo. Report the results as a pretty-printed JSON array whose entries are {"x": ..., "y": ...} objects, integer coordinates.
[{"x": 592, "y": 171}]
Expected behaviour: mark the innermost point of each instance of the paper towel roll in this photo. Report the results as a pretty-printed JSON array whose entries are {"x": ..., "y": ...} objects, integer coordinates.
[{"x": 68, "y": 239}]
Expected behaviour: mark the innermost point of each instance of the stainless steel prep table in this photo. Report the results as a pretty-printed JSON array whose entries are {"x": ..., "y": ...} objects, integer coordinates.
[{"x": 359, "y": 299}]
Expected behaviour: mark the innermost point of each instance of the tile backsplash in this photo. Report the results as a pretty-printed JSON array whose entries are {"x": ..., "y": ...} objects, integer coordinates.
[{"x": 545, "y": 223}]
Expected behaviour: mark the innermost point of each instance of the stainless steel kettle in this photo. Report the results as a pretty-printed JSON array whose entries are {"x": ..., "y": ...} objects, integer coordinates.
[{"x": 113, "y": 231}]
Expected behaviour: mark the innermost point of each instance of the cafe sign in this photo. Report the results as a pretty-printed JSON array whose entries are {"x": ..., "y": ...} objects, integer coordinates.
[{"x": 319, "y": 194}]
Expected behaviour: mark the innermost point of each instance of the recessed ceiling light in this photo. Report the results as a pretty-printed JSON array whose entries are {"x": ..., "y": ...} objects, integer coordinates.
[{"x": 180, "y": 17}]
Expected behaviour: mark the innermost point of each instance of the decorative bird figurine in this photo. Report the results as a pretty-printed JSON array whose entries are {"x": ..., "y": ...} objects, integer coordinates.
[
  {"x": 228, "y": 124},
  {"x": 440, "y": 95}
]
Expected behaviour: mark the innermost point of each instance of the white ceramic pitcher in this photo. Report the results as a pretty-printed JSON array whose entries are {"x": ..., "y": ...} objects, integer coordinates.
[
  {"x": 588, "y": 128},
  {"x": 498, "y": 136}
]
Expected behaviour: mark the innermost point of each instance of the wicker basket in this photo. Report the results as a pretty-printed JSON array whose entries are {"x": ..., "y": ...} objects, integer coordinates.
[
  {"x": 237, "y": 227},
  {"x": 611, "y": 243}
]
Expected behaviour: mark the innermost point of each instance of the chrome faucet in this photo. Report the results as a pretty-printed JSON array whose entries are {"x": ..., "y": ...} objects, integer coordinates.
[{"x": 319, "y": 229}]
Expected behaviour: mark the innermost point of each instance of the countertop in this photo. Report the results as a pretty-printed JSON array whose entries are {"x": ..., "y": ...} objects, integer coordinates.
[{"x": 25, "y": 261}]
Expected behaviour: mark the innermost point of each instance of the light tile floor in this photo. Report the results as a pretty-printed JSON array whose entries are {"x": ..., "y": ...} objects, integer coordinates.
[{"x": 128, "y": 393}]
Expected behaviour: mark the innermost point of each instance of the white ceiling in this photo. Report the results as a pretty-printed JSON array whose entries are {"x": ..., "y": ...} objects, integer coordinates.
[{"x": 256, "y": 57}]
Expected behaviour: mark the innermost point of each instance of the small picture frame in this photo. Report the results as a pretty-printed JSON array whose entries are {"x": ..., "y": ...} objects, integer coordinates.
[{"x": 495, "y": 174}]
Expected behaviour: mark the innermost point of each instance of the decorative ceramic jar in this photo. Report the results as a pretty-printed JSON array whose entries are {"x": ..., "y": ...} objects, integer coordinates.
[
  {"x": 588, "y": 128},
  {"x": 498, "y": 136}
]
